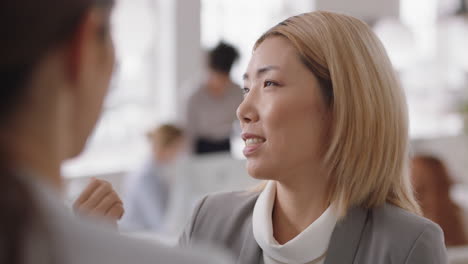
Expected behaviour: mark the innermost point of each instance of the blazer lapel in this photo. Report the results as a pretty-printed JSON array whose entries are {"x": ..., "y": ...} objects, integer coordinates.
[
  {"x": 250, "y": 253},
  {"x": 346, "y": 236}
]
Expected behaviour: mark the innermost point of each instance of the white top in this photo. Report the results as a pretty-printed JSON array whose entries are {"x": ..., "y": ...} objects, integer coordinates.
[
  {"x": 79, "y": 241},
  {"x": 310, "y": 246}
]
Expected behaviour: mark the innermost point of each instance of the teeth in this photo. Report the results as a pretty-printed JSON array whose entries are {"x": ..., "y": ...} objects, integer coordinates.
[{"x": 253, "y": 141}]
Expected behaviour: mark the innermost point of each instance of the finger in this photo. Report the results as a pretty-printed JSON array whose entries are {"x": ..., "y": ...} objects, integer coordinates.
[
  {"x": 97, "y": 196},
  {"x": 106, "y": 203},
  {"x": 92, "y": 186},
  {"x": 116, "y": 212}
]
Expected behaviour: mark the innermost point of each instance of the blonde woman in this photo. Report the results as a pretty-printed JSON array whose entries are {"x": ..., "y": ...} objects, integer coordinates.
[{"x": 325, "y": 124}]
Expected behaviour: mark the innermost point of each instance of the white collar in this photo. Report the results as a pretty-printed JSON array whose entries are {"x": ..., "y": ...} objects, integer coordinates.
[{"x": 309, "y": 245}]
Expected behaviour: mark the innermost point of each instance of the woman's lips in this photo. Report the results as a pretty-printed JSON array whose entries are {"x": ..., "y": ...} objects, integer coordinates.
[
  {"x": 250, "y": 150},
  {"x": 252, "y": 143}
]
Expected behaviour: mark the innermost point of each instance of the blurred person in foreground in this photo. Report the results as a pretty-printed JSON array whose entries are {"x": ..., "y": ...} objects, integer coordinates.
[
  {"x": 211, "y": 109},
  {"x": 432, "y": 185},
  {"x": 147, "y": 191},
  {"x": 56, "y": 61}
]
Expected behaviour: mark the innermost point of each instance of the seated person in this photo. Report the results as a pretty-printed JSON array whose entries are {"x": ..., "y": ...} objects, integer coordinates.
[
  {"x": 432, "y": 184},
  {"x": 147, "y": 192}
]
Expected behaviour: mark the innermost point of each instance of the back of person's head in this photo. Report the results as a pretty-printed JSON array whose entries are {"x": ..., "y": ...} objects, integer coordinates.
[
  {"x": 31, "y": 30},
  {"x": 432, "y": 184},
  {"x": 222, "y": 57},
  {"x": 166, "y": 135},
  {"x": 166, "y": 142},
  {"x": 367, "y": 155},
  {"x": 432, "y": 169}
]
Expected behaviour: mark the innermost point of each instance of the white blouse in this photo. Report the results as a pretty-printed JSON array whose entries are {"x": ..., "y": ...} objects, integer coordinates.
[{"x": 309, "y": 247}]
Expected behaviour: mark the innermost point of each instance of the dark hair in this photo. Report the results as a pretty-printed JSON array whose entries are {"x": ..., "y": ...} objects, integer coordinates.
[
  {"x": 29, "y": 30},
  {"x": 462, "y": 8},
  {"x": 222, "y": 57},
  {"x": 448, "y": 213}
]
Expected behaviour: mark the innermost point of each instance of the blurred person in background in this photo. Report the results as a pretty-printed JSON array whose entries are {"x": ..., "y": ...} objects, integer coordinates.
[
  {"x": 57, "y": 59},
  {"x": 432, "y": 185},
  {"x": 325, "y": 123},
  {"x": 147, "y": 191},
  {"x": 211, "y": 110}
]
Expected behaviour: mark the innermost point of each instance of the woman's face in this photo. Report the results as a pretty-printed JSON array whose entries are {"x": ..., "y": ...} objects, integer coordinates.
[
  {"x": 284, "y": 118},
  {"x": 98, "y": 60}
]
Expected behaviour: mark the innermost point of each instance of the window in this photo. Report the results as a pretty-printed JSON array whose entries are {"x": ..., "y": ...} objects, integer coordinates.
[
  {"x": 435, "y": 82},
  {"x": 241, "y": 23}
]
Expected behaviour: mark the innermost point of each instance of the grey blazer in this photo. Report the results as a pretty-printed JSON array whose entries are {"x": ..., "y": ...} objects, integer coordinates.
[{"x": 385, "y": 235}]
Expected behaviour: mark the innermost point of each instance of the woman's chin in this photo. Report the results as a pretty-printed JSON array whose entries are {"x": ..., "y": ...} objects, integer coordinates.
[{"x": 259, "y": 172}]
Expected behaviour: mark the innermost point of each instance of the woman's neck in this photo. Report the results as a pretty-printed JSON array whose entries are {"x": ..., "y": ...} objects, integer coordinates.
[
  {"x": 297, "y": 205},
  {"x": 45, "y": 169}
]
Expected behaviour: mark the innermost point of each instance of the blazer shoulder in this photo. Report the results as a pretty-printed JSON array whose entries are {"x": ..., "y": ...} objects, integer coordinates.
[
  {"x": 396, "y": 218},
  {"x": 418, "y": 239},
  {"x": 226, "y": 204},
  {"x": 222, "y": 218}
]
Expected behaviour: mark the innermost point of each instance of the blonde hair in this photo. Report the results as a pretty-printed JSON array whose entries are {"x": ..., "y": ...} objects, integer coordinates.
[{"x": 367, "y": 156}]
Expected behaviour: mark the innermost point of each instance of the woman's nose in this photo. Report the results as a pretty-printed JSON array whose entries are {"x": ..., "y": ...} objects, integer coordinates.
[{"x": 246, "y": 112}]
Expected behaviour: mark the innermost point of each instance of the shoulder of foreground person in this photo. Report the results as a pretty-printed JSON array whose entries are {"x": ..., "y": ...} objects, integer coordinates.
[
  {"x": 395, "y": 234},
  {"x": 220, "y": 217},
  {"x": 91, "y": 243}
]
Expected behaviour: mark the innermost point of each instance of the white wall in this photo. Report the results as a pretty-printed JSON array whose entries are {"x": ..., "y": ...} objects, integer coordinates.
[
  {"x": 180, "y": 52},
  {"x": 452, "y": 150},
  {"x": 368, "y": 10}
]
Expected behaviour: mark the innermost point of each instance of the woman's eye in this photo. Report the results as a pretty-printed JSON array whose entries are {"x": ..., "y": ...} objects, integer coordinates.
[
  {"x": 245, "y": 90},
  {"x": 269, "y": 83}
]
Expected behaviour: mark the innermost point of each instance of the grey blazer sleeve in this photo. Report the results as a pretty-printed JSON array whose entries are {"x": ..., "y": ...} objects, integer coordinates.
[
  {"x": 429, "y": 247},
  {"x": 185, "y": 238}
]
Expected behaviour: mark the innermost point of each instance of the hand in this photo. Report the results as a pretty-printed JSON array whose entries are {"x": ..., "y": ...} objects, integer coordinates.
[{"x": 99, "y": 199}]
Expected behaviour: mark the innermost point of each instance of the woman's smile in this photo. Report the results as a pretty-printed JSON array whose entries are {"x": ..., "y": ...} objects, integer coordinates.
[{"x": 252, "y": 143}]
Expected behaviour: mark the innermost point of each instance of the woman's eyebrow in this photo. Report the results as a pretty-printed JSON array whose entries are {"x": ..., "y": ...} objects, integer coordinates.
[{"x": 261, "y": 71}]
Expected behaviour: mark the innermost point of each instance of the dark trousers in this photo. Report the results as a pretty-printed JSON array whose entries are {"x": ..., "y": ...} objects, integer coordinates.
[{"x": 205, "y": 146}]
